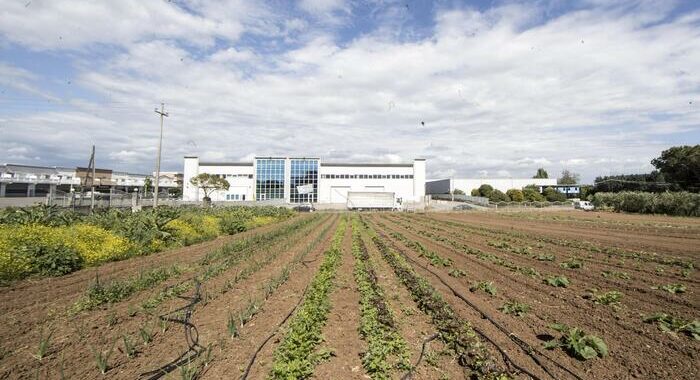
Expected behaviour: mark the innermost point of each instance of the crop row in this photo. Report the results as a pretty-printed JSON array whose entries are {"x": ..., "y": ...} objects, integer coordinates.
[
  {"x": 296, "y": 356},
  {"x": 377, "y": 324},
  {"x": 454, "y": 331}
]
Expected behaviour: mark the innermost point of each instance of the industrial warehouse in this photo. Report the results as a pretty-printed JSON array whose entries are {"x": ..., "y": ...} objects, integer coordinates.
[{"x": 281, "y": 179}]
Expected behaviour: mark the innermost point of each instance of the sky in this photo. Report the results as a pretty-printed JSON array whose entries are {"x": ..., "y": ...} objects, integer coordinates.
[{"x": 478, "y": 88}]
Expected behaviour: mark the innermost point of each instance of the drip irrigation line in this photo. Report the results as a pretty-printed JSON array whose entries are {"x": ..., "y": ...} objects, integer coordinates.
[
  {"x": 194, "y": 349},
  {"x": 264, "y": 342},
  {"x": 409, "y": 374},
  {"x": 524, "y": 346}
]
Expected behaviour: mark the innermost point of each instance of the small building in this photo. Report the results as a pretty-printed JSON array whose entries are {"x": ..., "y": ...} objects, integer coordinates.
[
  {"x": 448, "y": 185},
  {"x": 278, "y": 179}
]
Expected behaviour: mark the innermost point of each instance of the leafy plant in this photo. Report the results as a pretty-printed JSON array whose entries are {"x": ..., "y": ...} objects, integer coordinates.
[
  {"x": 672, "y": 288},
  {"x": 571, "y": 264},
  {"x": 557, "y": 281},
  {"x": 546, "y": 257},
  {"x": 670, "y": 324},
  {"x": 577, "y": 343},
  {"x": 457, "y": 273},
  {"x": 607, "y": 298},
  {"x": 515, "y": 308},
  {"x": 487, "y": 287},
  {"x": 620, "y": 275}
]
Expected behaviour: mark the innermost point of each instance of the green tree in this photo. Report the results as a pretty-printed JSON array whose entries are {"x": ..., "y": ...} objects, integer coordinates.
[
  {"x": 552, "y": 195},
  {"x": 498, "y": 196},
  {"x": 541, "y": 173},
  {"x": 147, "y": 184},
  {"x": 209, "y": 183},
  {"x": 568, "y": 178},
  {"x": 680, "y": 165},
  {"x": 515, "y": 195},
  {"x": 476, "y": 193},
  {"x": 485, "y": 190},
  {"x": 457, "y": 192}
]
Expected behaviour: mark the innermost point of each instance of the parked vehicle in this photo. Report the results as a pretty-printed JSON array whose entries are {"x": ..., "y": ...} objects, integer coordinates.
[{"x": 584, "y": 205}]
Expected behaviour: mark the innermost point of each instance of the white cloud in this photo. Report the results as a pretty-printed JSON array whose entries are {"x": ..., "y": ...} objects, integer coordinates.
[
  {"x": 498, "y": 91},
  {"x": 324, "y": 6}
]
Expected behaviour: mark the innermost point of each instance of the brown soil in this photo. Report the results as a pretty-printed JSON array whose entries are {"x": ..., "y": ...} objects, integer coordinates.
[{"x": 636, "y": 349}]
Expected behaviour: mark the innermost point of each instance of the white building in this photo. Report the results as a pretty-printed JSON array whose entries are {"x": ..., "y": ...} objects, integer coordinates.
[
  {"x": 277, "y": 178},
  {"x": 448, "y": 185}
]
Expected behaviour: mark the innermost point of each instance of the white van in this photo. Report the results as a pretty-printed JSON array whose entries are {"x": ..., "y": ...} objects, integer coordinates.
[{"x": 584, "y": 205}]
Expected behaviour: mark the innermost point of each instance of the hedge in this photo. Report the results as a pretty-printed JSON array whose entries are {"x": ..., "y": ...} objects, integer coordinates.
[{"x": 670, "y": 203}]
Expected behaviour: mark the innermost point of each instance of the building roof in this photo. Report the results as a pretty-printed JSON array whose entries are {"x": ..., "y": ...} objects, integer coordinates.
[
  {"x": 349, "y": 164},
  {"x": 225, "y": 164}
]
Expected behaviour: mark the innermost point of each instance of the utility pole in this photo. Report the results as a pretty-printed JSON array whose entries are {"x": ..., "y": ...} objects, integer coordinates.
[{"x": 162, "y": 114}]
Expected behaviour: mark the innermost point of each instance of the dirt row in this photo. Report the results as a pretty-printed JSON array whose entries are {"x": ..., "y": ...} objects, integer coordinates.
[
  {"x": 637, "y": 349},
  {"x": 628, "y": 223},
  {"x": 685, "y": 246},
  {"x": 76, "y": 338},
  {"x": 643, "y": 277}
]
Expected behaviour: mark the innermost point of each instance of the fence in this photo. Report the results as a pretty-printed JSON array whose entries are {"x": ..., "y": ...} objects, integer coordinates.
[{"x": 482, "y": 201}]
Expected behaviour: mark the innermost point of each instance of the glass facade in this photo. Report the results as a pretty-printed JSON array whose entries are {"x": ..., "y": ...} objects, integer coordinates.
[
  {"x": 269, "y": 174},
  {"x": 304, "y": 172}
]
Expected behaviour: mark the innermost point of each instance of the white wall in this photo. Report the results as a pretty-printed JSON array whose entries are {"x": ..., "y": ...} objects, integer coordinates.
[
  {"x": 401, "y": 187},
  {"x": 191, "y": 169},
  {"x": 418, "y": 180},
  {"x": 502, "y": 184}
]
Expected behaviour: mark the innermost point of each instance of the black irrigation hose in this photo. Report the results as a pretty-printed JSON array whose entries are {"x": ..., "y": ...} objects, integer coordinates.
[
  {"x": 409, "y": 374},
  {"x": 194, "y": 349},
  {"x": 264, "y": 342},
  {"x": 529, "y": 350}
]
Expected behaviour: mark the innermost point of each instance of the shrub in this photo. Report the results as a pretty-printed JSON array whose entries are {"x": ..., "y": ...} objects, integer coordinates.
[
  {"x": 485, "y": 190},
  {"x": 183, "y": 232},
  {"x": 498, "y": 196},
  {"x": 531, "y": 194},
  {"x": 680, "y": 203},
  {"x": 475, "y": 193},
  {"x": 515, "y": 195},
  {"x": 96, "y": 245},
  {"x": 35, "y": 249},
  {"x": 552, "y": 195},
  {"x": 259, "y": 221}
]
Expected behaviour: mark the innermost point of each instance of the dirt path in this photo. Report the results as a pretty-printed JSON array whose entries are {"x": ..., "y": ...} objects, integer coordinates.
[{"x": 340, "y": 332}]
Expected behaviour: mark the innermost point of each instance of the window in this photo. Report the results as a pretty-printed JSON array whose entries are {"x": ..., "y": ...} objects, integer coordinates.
[
  {"x": 270, "y": 179},
  {"x": 304, "y": 172}
]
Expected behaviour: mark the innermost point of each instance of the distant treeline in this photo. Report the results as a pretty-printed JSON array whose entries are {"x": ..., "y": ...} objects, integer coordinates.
[{"x": 653, "y": 182}]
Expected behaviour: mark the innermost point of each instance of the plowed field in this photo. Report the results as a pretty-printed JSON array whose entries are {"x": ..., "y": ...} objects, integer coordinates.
[{"x": 541, "y": 295}]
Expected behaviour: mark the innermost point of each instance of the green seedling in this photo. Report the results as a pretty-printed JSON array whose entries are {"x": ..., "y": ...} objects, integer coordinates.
[
  {"x": 146, "y": 335},
  {"x": 545, "y": 257},
  {"x": 571, "y": 264},
  {"x": 188, "y": 371},
  {"x": 102, "y": 358},
  {"x": 557, "y": 281},
  {"x": 457, "y": 273},
  {"x": 487, "y": 287},
  {"x": 620, "y": 275},
  {"x": 129, "y": 348},
  {"x": 515, "y": 308},
  {"x": 577, "y": 343},
  {"x": 232, "y": 325},
  {"x": 673, "y": 325},
  {"x": 672, "y": 288},
  {"x": 43, "y": 347},
  {"x": 608, "y": 298}
]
